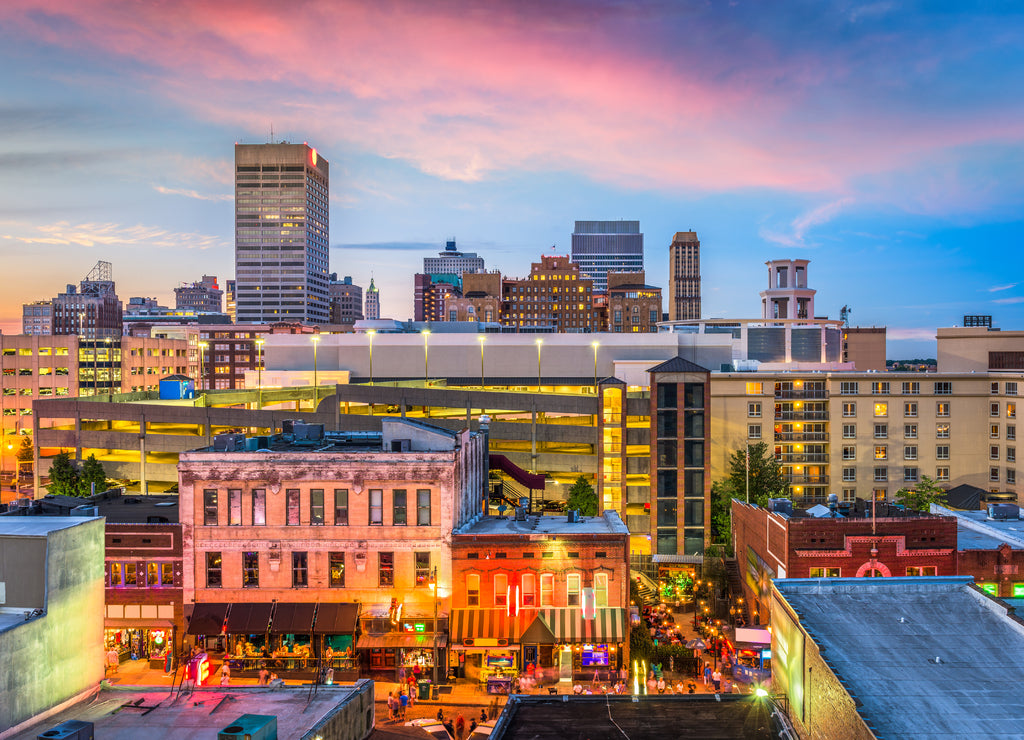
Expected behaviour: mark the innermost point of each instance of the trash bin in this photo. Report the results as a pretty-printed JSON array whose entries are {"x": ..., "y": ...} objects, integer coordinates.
[{"x": 424, "y": 693}]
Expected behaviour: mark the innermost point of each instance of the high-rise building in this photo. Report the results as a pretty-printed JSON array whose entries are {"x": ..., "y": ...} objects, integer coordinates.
[
  {"x": 203, "y": 296},
  {"x": 92, "y": 311},
  {"x": 281, "y": 234},
  {"x": 229, "y": 300},
  {"x": 346, "y": 300},
  {"x": 37, "y": 318},
  {"x": 372, "y": 302},
  {"x": 431, "y": 293},
  {"x": 684, "y": 267},
  {"x": 600, "y": 246},
  {"x": 452, "y": 261}
]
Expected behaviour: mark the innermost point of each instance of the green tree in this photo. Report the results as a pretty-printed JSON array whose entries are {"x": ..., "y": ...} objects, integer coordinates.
[
  {"x": 25, "y": 452},
  {"x": 583, "y": 498},
  {"x": 92, "y": 472},
  {"x": 722, "y": 494},
  {"x": 64, "y": 476},
  {"x": 766, "y": 481},
  {"x": 919, "y": 497}
]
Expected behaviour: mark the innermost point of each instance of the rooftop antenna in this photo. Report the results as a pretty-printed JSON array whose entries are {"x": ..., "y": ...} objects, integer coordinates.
[
  {"x": 844, "y": 315},
  {"x": 271, "y": 133}
]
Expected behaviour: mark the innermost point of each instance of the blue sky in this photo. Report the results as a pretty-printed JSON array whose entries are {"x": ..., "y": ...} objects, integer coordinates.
[{"x": 882, "y": 141}]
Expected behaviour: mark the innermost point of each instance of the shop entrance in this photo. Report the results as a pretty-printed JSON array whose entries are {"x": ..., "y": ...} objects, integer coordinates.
[{"x": 565, "y": 664}]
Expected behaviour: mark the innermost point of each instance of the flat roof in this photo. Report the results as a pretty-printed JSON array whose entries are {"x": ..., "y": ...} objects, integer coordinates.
[
  {"x": 881, "y": 637},
  {"x": 39, "y": 526},
  {"x": 609, "y": 523},
  {"x": 117, "y": 508},
  {"x": 198, "y": 715},
  {"x": 975, "y": 531}
]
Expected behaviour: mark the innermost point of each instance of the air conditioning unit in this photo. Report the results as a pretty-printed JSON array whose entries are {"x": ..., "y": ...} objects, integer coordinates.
[
  {"x": 73, "y": 729},
  {"x": 229, "y": 442},
  {"x": 251, "y": 727}
]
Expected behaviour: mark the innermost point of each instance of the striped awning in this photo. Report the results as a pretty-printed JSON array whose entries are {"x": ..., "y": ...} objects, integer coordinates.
[
  {"x": 482, "y": 624},
  {"x": 568, "y": 625}
]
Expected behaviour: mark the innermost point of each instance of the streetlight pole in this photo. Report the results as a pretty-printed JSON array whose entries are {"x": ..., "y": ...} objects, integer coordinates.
[
  {"x": 481, "y": 338},
  {"x": 371, "y": 334},
  {"x": 316, "y": 395},
  {"x": 426, "y": 361},
  {"x": 540, "y": 342},
  {"x": 202, "y": 363},
  {"x": 259, "y": 372},
  {"x": 595, "y": 345}
]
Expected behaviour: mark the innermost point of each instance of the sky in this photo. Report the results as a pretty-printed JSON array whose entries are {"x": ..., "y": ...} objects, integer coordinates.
[{"x": 883, "y": 141}]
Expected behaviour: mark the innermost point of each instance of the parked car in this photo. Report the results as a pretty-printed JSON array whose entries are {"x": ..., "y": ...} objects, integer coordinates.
[{"x": 432, "y": 727}]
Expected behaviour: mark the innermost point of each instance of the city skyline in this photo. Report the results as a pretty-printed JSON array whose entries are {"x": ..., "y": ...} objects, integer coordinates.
[{"x": 881, "y": 143}]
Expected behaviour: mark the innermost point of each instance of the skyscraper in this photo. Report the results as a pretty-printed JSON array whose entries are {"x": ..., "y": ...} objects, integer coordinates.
[
  {"x": 372, "y": 302},
  {"x": 684, "y": 267},
  {"x": 281, "y": 234},
  {"x": 600, "y": 246},
  {"x": 452, "y": 261}
]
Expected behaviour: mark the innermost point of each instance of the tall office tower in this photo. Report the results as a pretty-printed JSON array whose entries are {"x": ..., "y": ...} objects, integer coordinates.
[
  {"x": 203, "y": 296},
  {"x": 452, "y": 262},
  {"x": 346, "y": 300},
  {"x": 600, "y": 246},
  {"x": 684, "y": 266},
  {"x": 281, "y": 234},
  {"x": 372, "y": 302}
]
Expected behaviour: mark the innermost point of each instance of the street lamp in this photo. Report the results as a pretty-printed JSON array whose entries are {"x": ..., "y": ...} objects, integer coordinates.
[
  {"x": 595, "y": 345},
  {"x": 202, "y": 362},
  {"x": 316, "y": 396},
  {"x": 370, "y": 335},
  {"x": 540, "y": 342},
  {"x": 426, "y": 361},
  {"x": 481, "y": 338}
]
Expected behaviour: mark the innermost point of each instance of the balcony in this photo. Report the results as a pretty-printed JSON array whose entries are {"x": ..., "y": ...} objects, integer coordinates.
[
  {"x": 806, "y": 480},
  {"x": 801, "y": 415},
  {"x": 799, "y": 394},
  {"x": 803, "y": 457},
  {"x": 801, "y": 436}
]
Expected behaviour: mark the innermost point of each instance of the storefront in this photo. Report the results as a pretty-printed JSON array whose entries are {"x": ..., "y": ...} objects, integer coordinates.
[
  {"x": 334, "y": 629},
  {"x": 397, "y": 644},
  {"x": 141, "y": 631},
  {"x": 206, "y": 626},
  {"x": 486, "y": 647},
  {"x": 560, "y": 645},
  {"x": 290, "y": 640}
]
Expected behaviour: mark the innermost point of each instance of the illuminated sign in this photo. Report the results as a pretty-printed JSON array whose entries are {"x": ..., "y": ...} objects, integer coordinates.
[
  {"x": 415, "y": 627},
  {"x": 312, "y": 156}
]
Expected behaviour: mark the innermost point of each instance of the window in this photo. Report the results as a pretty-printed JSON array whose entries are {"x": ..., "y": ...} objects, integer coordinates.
[
  {"x": 1011, "y": 454},
  {"x": 881, "y": 431},
  {"x": 547, "y": 589},
  {"x": 911, "y": 388},
  {"x": 850, "y": 475},
  {"x": 1011, "y": 410},
  {"x": 850, "y": 453},
  {"x": 993, "y": 475},
  {"x": 826, "y": 573},
  {"x": 993, "y": 431},
  {"x": 250, "y": 569},
  {"x": 210, "y": 507},
  {"x": 849, "y": 408},
  {"x": 300, "y": 569},
  {"x": 259, "y": 507},
  {"x": 849, "y": 431},
  {"x": 421, "y": 564},
  {"x": 942, "y": 452},
  {"x": 848, "y": 388},
  {"x": 213, "y": 570},
  {"x": 1011, "y": 431},
  {"x": 881, "y": 452},
  {"x": 1011, "y": 388},
  {"x": 942, "y": 408},
  {"x": 921, "y": 570},
  {"x": 376, "y": 507},
  {"x": 386, "y": 568},
  {"x": 881, "y": 409},
  {"x": 753, "y": 431},
  {"x": 943, "y": 388},
  {"x": 942, "y": 431},
  {"x": 472, "y": 589},
  {"x": 423, "y": 507},
  {"x": 528, "y": 584},
  {"x": 880, "y": 388},
  {"x": 572, "y": 589},
  {"x": 881, "y": 475},
  {"x": 500, "y": 589},
  {"x": 600, "y": 589},
  {"x": 910, "y": 409},
  {"x": 1011, "y": 477},
  {"x": 341, "y": 507},
  {"x": 995, "y": 389},
  {"x": 234, "y": 507},
  {"x": 755, "y": 389},
  {"x": 316, "y": 506},
  {"x": 754, "y": 409},
  {"x": 880, "y": 494},
  {"x": 993, "y": 452},
  {"x": 910, "y": 431},
  {"x": 292, "y": 499},
  {"x": 116, "y": 574},
  {"x": 993, "y": 409},
  {"x": 336, "y": 569},
  {"x": 166, "y": 574},
  {"x": 942, "y": 473},
  {"x": 398, "y": 510},
  {"x": 910, "y": 452},
  {"x": 910, "y": 475}
]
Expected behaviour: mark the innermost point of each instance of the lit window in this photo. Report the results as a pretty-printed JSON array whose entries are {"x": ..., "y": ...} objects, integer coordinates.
[
  {"x": 500, "y": 589},
  {"x": 881, "y": 409},
  {"x": 755, "y": 389},
  {"x": 881, "y": 452},
  {"x": 572, "y": 589},
  {"x": 472, "y": 589}
]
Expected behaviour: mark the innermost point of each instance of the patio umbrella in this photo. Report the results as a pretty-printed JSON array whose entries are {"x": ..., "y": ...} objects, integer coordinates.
[{"x": 696, "y": 644}]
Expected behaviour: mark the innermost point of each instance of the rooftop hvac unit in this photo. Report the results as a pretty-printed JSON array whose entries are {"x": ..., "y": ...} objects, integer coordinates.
[
  {"x": 520, "y": 514},
  {"x": 251, "y": 727},
  {"x": 85, "y": 511},
  {"x": 73, "y": 729},
  {"x": 574, "y": 516},
  {"x": 288, "y": 424},
  {"x": 229, "y": 442},
  {"x": 307, "y": 432},
  {"x": 1003, "y": 511},
  {"x": 780, "y": 505}
]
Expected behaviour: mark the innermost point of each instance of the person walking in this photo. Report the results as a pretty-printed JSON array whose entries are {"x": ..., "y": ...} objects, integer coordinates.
[
  {"x": 707, "y": 673},
  {"x": 224, "y": 673},
  {"x": 264, "y": 677},
  {"x": 391, "y": 705},
  {"x": 403, "y": 702},
  {"x": 460, "y": 727},
  {"x": 716, "y": 678},
  {"x": 113, "y": 660}
]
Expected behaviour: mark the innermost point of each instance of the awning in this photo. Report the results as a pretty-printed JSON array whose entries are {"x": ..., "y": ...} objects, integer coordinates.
[
  {"x": 538, "y": 633},
  {"x": 293, "y": 619},
  {"x": 568, "y": 625},
  {"x": 207, "y": 619},
  {"x": 401, "y": 640},
  {"x": 685, "y": 559},
  {"x": 336, "y": 619},
  {"x": 249, "y": 619},
  {"x": 476, "y": 624}
]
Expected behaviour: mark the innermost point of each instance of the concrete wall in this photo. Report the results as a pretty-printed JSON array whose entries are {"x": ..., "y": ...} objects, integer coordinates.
[
  {"x": 352, "y": 720},
  {"x": 22, "y": 561},
  {"x": 58, "y": 655}
]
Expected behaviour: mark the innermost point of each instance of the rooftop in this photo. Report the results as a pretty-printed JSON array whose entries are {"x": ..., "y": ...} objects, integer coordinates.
[
  {"x": 976, "y": 531},
  {"x": 881, "y": 638},
  {"x": 113, "y": 504},
  {"x": 609, "y": 523},
  {"x": 38, "y": 526}
]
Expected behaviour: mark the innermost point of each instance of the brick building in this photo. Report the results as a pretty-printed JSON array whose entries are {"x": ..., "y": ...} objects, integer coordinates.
[
  {"x": 633, "y": 306},
  {"x": 346, "y": 299},
  {"x": 431, "y": 293},
  {"x": 990, "y": 548},
  {"x": 540, "y": 594},
  {"x": 205, "y": 296}
]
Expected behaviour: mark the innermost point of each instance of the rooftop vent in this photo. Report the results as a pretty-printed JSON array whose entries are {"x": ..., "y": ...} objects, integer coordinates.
[{"x": 1003, "y": 511}]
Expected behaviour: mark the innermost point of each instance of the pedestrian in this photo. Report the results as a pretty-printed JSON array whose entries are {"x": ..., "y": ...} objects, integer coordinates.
[
  {"x": 113, "y": 660},
  {"x": 624, "y": 674},
  {"x": 224, "y": 673},
  {"x": 716, "y": 678},
  {"x": 264, "y": 677},
  {"x": 440, "y": 716},
  {"x": 472, "y": 726},
  {"x": 391, "y": 705},
  {"x": 403, "y": 701},
  {"x": 661, "y": 685},
  {"x": 460, "y": 727},
  {"x": 401, "y": 674},
  {"x": 707, "y": 673},
  {"x": 483, "y": 715}
]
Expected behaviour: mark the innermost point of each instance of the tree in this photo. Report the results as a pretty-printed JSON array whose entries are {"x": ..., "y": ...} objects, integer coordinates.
[
  {"x": 92, "y": 472},
  {"x": 63, "y": 476},
  {"x": 722, "y": 494},
  {"x": 25, "y": 452},
  {"x": 583, "y": 498},
  {"x": 765, "y": 475},
  {"x": 919, "y": 497}
]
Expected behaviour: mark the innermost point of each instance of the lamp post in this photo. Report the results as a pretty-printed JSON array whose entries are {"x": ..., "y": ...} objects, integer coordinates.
[
  {"x": 595, "y": 345},
  {"x": 481, "y": 338},
  {"x": 370, "y": 335},
  {"x": 426, "y": 359},
  {"x": 540, "y": 343},
  {"x": 259, "y": 372},
  {"x": 202, "y": 363},
  {"x": 434, "y": 588},
  {"x": 316, "y": 395}
]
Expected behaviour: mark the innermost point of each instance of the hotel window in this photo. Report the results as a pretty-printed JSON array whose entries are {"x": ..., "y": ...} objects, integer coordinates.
[
  {"x": 572, "y": 589},
  {"x": 921, "y": 570},
  {"x": 849, "y": 494},
  {"x": 213, "y": 570},
  {"x": 341, "y": 507},
  {"x": 993, "y": 409},
  {"x": 910, "y": 409},
  {"x": 910, "y": 475},
  {"x": 210, "y": 507},
  {"x": 995, "y": 389},
  {"x": 881, "y": 475},
  {"x": 755, "y": 389},
  {"x": 881, "y": 431},
  {"x": 259, "y": 507},
  {"x": 547, "y": 589},
  {"x": 849, "y": 431},
  {"x": 500, "y": 589},
  {"x": 386, "y": 568},
  {"x": 910, "y": 431},
  {"x": 292, "y": 499},
  {"x": 116, "y": 574},
  {"x": 250, "y": 570},
  {"x": 600, "y": 589},
  {"x": 880, "y": 388},
  {"x": 942, "y": 408},
  {"x": 993, "y": 431},
  {"x": 376, "y": 507},
  {"x": 993, "y": 452},
  {"x": 1011, "y": 410},
  {"x": 422, "y": 565},
  {"x": 881, "y": 452},
  {"x": 944, "y": 388},
  {"x": 881, "y": 409},
  {"x": 423, "y": 507},
  {"x": 942, "y": 452},
  {"x": 911, "y": 388},
  {"x": 753, "y": 431},
  {"x": 398, "y": 510},
  {"x": 848, "y": 388},
  {"x": 316, "y": 506},
  {"x": 300, "y": 569},
  {"x": 850, "y": 453},
  {"x": 942, "y": 431},
  {"x": 754, "y": 409},
  {"x": 1011, "y": 431},
  {"x": 849, "y": 408},
  {"x": 1011, "y": 454},
  {"x": 942, "y": 473},
  {"x": 993, "y": 475},
  {"x": 850, "y": 475},
  {"x": 234, "y": 507},
  {"x": 529, "y": 589},
  {"x": 472, "y": 589},
  {"x": 1011, "y": 477},
  {"x": 825, "y": 573},
  {"x": 910, "y": 452},
  {"x": 1011, "y": 389},
  {"x": 336, "y": 569}
]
